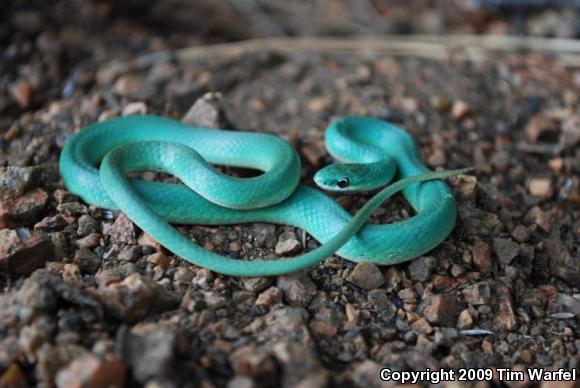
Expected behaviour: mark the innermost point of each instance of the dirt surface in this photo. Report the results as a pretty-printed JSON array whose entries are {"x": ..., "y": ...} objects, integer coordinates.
[
  {"x": 103, "y": 293},
  {"x": 88, "y": 299}
]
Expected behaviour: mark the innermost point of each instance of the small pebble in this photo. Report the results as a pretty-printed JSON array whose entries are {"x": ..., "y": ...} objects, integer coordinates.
[
  {"x": 87, "y": 225},
  {"x": 90, "y": 241},
  {"x": 466, "y": 186},
  {"x": 421, "y": 326},
  {"x": 298, "y": 289},
  {"x": 207, "y": 112},
  {"x": 440, "y": 308},
  {"x": 287, "y": 244},
  {"x": 269, "y": 297},
  {"x": 539, "y": 217},
  {"x": 159, "y": 258},
  {"x": 256, "y": 284},
  {"x": 135, "y": 108},
  {"x": 87, "y": 261},
  {"x": 21, "y": 91},
  {"x": 366, "y": 276},
  {"x": 465, "y": 320},
  {"x": 521, "y": 233},
  {"x": 505, "y": 249},
  {"x": 477, "y": 293},
  {"x": 130, "y": 254},
  {"x": 540, "y": 187},
  {"x": 183, "y": 275},
  {"x": 481, "y": 253},
  {"x": 421, "y": 268},
  {"x": 460, "y": 109},
  {"x": 123, "y": 230}
]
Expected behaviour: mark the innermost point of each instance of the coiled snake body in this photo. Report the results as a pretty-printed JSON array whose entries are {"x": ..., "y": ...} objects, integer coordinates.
[{"x": 373, "y": 150}]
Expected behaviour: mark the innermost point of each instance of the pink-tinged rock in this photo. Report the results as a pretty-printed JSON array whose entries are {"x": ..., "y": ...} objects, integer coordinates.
[
  {"x": 440, "y": 308},
  {"x": 123, "y": 230},
  {"x": 460, "y": 109},
  {"x": 22, "y": 93},
  {"x": 541, "y": 187},
  {"x": 92, "y": 372},
  {"x": 323, "y": 328},
  {"x": 252, "y": 361},
  {"x": 477, "y": 293},
  {"x": 421, "y": 326},
  {"x": 136, "y": 297},
  {"x": 481, "y": 252},
  {"x": 465, "y": 320},
  {"x": 505, "y": 317},
  {"x": 24, "y": 210},
  {"x": 269, "y": 297},
  {"x": 20, "y": 254}
]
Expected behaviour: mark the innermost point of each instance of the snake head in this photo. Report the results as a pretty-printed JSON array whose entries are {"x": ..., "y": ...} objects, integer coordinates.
[{"x": 347, "y": 177}]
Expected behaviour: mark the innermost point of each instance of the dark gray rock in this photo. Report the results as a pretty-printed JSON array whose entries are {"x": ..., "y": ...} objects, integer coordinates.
[
  {"x": 298, "y": 289},
  {"x": 15, "y": 180},
  {"x": 149, "y": 354},
  {"x": 505, "y": 249},
  {"x": 421, "y": 268}
]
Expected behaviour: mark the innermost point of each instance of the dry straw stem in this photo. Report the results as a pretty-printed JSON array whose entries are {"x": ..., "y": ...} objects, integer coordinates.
[{"x": 472, "y": 47}]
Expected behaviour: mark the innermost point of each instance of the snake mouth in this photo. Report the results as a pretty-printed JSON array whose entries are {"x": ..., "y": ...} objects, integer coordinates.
[{"x": 323, "y": 182}]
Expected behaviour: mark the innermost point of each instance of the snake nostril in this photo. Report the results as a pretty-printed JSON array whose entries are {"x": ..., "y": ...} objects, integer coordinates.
[{"x": 343, "y": 182}]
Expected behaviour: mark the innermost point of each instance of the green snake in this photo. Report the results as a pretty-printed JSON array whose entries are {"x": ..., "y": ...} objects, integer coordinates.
[{"x": 94, "y": 164}]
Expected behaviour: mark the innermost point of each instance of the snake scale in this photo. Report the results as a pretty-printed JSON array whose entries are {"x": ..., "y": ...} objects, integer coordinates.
[{"x": 95, "y": 162}]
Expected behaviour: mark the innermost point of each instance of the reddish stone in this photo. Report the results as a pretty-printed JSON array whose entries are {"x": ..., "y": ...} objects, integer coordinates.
[
  {"x": 23, "y": 210},
  {"x": 92, "y": 372},
  {"x": 20, "y": 255},
  {"x": 22, "y": 93},
  {"x": 505, "y": 317},
  {"x": 477, "y": 294},
  {"x": 441, "y": 308},
  {"x": 323, "y": 328},
  {"x": 482, "y": 256},
  {"x": 250, "y": 361},
  {"x": 123, "y": 230}
]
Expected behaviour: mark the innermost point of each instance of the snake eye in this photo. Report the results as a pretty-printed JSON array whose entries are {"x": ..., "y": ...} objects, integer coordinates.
[{"x": 342, "y": 183}]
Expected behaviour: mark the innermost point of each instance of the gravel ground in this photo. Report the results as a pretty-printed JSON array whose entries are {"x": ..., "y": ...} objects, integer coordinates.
[
  {"x": 89, "y": 300},
  {"x": 86, "y": 294}
]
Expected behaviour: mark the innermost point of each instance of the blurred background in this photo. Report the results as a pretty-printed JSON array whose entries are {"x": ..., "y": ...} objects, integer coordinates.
[{"x": 45, "y": 44}]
